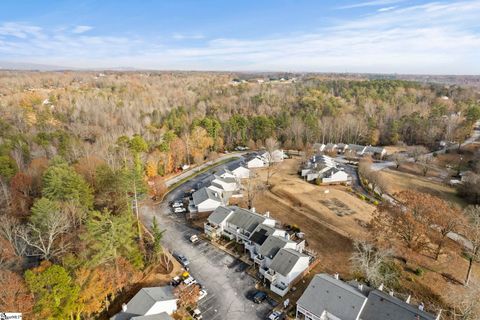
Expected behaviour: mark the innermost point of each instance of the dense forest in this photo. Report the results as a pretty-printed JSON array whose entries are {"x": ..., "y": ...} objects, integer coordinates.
[{"x": 76, "y": 148}]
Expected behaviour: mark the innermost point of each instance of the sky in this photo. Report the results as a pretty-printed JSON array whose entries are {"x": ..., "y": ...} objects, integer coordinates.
[{"x": 374, "y": 36}]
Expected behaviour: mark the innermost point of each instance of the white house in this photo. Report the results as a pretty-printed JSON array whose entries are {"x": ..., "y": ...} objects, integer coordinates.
[
  {"x": 274, "y": 156},
  {"x": 335, "y": 176},
  {"x": 225, "y": 173},
  {"x": 239, "y": 171},
  {"x": 256, "y": 162},
  {"x": 269, "y": 249},
  {"x": 235, "y": 223},
  {"x": 286, "y": 267},
  {"x": 205, "y": 200},
  {"x": 147, "y": 302},
  {"x": 227, "y": 184}
]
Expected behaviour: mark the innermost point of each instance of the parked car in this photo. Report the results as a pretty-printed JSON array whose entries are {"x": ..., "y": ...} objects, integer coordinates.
[
  {"x": 179, "y": 210},
  {"x": 194, "y": 238},
  {"x": 189, "y": 281},
  {"x": 196, "y": 314},
  {"x": 177, "y": 204},
  {"x": 276, "y": 315},
  {"x": 203, "y": 293},
  {"x": 181, "y": 258},
  {"x": 259, "y": 297},
  {"x": 175, "y": 281}
]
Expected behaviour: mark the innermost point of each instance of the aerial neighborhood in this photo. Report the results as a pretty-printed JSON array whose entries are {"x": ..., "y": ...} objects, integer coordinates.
[{"x": 143, "y": 195}]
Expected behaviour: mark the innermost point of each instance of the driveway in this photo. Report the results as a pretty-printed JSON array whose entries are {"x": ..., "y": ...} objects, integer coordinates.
[{"x": 222, "y": 275}]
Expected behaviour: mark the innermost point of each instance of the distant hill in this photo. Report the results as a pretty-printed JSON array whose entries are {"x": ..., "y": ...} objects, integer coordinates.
[{"x": 9, "y": 65}]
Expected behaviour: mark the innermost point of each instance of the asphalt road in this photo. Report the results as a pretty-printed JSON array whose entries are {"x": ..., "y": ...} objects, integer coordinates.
[{"x": 222, "y": 276}]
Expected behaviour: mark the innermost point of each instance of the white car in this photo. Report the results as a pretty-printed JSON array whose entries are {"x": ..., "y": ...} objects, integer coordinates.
[
  {"x": 196, "y": 314},
  {"x": 194, "y": 238},
  {"x": 203, "y": 293},
  {"x": 189, "y": 281},
  {"x": 179, "y": 210},
  {"x": 177, "y": 205}
]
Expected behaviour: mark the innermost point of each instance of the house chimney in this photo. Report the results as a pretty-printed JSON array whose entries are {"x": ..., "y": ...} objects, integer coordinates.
[
  {"x": 380, "y": 287},
  {"x": 267, "y": 214},
  {"x": 391, "y": 293},
  {"x": 439, "y": 314},
  {"x": 124, "y": 307},
  {"x": 336, "y": 276},
  {"x": 421, "y": 306},
  {"x": 253, "y": 209},
  {"x": 408, "y": 299},
  {"x": 360, "y": 287}
]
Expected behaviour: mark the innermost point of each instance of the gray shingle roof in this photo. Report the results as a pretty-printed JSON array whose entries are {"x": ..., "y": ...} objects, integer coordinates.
[
  {"x": 325, "y": 293},
  {"x": 382, "y": 306},
  {"x": 203, "y": 194},
  {"x": 285, "y": 260},
  {"x": 147, "y": 297},
  {"x": 160, "y": 316},
  {"x": 261, "y": 233},
  {"x": 245, "y": 219},
  {"x": 219, "y": 215},
  {"x": 272, "y": 245}
]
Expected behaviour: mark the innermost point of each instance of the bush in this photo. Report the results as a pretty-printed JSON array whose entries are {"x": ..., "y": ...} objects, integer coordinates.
[
  {"x": 419, "y": 272},
  {"x": 435, "y": 154},
  {"x": 361, "y": 196},
  {"x": 375, "y": 203}
]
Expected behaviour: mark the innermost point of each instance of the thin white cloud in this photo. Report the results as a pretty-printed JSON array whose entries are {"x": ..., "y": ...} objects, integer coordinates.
[
  {"x": 81, "y": 29},
  {"x": 437, "y": 37},
  {"x": 375, "y": 3},
  {"x": 183, "y": 36},
  {"x": 387, "y": 9}
]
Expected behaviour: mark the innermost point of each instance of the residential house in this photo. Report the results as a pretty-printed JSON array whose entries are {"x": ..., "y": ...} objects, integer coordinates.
[
  {"x": 274, "y": 156},
  {"x": 239, "y": 171},
  {"x": 269, "y": 249},
  {"x": 328, "y": 298},
  {"x": 205, "y": 200},
  {"x": 158, "y": 301},
  {"x": 356, "y": 149},
  {"x": 235, "y": 223},
  {"x": 318, "y": 147},
  {"x": 335, "y": 176},
  {"x": 225, "y": 173},
  {"x": 342, "y": 147},
  {"x": 286, "y": 267},
  {"x": 378, "y": 152},
  {"x": 324, "y": 168},
  {"x": 330, "y": 147},
  {"x": 255, "y": 161},
  {"x": 258, "y": 237}
]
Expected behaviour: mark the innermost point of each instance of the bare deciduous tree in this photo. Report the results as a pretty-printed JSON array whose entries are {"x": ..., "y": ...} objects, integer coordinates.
[
  {"x": 46, "y": 240},
  {"x": 371, "y": 262},
  {"x": 472, "y": 233}
]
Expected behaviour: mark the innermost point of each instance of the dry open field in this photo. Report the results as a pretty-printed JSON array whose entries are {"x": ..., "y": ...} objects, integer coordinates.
[{"x": 399, "y": 181}]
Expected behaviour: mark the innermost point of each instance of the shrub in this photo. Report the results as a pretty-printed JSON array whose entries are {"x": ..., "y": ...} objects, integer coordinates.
[
  {"x": 419, "y": 271},
  {"x": 375, "y": 203},
  {"x": 361, "y": 196}
]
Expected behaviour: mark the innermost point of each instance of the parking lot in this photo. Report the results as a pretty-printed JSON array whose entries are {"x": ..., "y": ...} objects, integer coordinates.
[{"x": 222, "y": 276}]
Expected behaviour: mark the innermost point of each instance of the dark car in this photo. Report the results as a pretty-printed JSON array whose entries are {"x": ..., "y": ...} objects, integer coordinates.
[
  {"x": 181, "y": 258},
  {"x": 259, "y": 297}
]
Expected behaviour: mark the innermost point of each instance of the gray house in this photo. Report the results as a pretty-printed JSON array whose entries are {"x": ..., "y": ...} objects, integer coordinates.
[
  {"x": 328, "y": 298},
  {"x": 148, "y": 302}
]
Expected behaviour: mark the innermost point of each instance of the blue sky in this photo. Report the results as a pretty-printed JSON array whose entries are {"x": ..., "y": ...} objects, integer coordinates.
[{"x": 388, "y": 36}]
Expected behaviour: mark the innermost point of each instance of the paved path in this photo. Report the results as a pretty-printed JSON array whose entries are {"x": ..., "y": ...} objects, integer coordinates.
[{"x": 188, "y": 173}]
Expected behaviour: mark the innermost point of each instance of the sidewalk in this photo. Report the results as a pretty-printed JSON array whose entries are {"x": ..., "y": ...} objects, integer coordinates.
[{"x": 170, "y": 182}]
